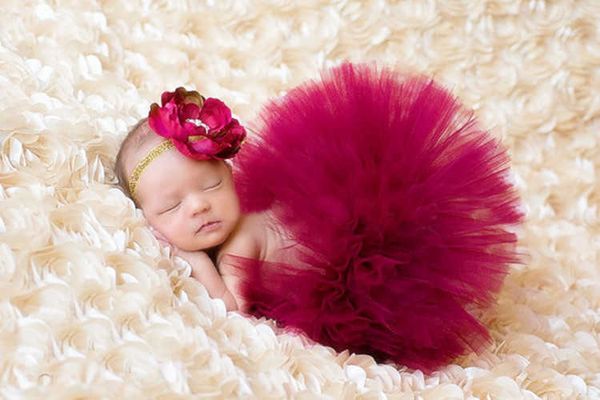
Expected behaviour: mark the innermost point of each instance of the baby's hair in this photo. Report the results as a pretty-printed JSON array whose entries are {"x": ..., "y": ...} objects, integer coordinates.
[{"x": 135, "y": 138}]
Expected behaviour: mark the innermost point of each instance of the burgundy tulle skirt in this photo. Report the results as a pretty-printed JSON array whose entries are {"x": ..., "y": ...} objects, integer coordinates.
[{"x": 400, "y": 204}]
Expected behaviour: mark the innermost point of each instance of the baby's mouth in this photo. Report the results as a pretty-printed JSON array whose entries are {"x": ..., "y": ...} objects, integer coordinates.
[{"x": 209, "y": 226}]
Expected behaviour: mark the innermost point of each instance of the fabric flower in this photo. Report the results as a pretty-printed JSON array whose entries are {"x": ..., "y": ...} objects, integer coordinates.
[{"x": 199, "y": 128}]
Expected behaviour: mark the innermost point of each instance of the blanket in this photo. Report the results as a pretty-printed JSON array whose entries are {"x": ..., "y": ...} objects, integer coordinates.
[{"x": 92, "y": 307}]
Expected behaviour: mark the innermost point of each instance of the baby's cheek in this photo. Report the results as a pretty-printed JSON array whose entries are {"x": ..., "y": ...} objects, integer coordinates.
[
  {"x": 174, "y": 235},
  {"x": 164, "y": 231}
]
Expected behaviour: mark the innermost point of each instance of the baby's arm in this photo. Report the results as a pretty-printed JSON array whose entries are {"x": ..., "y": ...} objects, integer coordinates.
[
  {"x": 230, "y": 272},
  {"x": 232, "y": 280},
  {"x": 204, "y": 270}
]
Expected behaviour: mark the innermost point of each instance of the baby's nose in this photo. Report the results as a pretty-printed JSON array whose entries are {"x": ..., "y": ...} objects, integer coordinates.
[{"x": 198, "y": 205}]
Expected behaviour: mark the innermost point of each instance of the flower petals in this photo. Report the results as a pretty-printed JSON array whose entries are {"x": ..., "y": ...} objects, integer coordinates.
[
  {"x": 178, "y": 120},
  {"x": 215, "y": 114}
]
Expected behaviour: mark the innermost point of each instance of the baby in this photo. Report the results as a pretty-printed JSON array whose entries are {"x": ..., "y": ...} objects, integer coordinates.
[
  {"x": 369, "y": 212},
  {"x": 173, "y": 165}
]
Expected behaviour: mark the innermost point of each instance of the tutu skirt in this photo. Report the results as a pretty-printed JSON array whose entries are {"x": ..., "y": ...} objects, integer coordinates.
[{"x": 400, "y": 204}]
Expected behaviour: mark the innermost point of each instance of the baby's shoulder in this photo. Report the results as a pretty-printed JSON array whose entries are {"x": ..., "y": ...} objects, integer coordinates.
[{"x": 245, "y": 241}]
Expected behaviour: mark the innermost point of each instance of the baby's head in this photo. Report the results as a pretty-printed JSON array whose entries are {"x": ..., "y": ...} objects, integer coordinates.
[{"x": 184, "y": 189}]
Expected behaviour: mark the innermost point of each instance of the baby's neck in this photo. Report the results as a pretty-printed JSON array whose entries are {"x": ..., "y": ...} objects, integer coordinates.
[{"x": 213, "y": 253}]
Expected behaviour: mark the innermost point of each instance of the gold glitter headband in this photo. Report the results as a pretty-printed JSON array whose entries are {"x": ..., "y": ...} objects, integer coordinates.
[{"x": 143, "y": 164}]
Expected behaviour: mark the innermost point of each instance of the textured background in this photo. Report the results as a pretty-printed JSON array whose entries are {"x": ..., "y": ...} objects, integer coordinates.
[{"x": 91, "y": 307}]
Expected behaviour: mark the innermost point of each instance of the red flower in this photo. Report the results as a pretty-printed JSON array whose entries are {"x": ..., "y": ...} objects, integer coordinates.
[{"x": 199, "y": 128}]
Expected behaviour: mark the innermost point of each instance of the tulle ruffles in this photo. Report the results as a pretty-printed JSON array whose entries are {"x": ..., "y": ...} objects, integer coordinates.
[{"x": 401, "y": 206}]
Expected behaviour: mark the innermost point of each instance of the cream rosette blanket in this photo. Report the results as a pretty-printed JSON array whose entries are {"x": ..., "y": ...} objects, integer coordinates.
[{"x": 92, "y": 307}]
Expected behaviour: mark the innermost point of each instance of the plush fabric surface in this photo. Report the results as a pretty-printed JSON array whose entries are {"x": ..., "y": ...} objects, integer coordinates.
[{"x": 92, "y": 307}]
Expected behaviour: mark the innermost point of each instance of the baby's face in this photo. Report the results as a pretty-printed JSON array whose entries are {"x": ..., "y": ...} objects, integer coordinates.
[{"x": 192, "y": 204}]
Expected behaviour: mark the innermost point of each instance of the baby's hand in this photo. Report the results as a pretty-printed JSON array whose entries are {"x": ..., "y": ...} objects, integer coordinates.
[
  {"x": 190, "y": 256},
  {"x": 203, "y": 269},
  {"x": 193, "y": 257}
]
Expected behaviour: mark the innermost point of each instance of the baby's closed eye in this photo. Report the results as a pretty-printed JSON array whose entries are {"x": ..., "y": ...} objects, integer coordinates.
[
  {"x": 214, "y": 185},
  {"x": 175, "y": 206},
  {"x": 171, "y": 208}
]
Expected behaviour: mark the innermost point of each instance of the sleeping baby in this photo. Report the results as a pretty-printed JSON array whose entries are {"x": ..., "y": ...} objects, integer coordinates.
[
  {"x": 186, "y": 191},
  {"x": 370, "y": 210}
]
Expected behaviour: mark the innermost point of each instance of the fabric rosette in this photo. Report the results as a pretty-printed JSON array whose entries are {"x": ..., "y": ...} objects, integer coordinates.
[{"x": 199, "y": 128}]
